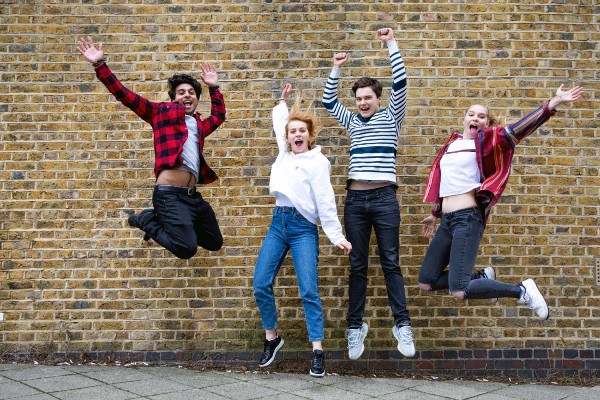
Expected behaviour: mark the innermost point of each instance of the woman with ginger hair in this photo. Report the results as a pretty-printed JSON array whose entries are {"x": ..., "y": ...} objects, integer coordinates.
[{"x": 300, "y": 182}]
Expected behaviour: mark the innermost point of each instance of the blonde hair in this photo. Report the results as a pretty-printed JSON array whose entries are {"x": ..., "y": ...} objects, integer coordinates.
[{"x": 309, "y": 117}]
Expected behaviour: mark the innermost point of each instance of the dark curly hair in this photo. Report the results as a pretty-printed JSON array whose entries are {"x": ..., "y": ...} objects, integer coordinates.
[
  {"x": 178, "y": 79},
  {"x": 365, "y": 81}
]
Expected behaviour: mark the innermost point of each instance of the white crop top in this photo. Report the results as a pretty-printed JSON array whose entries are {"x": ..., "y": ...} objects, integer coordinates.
[{"x": 459, "y": 170}]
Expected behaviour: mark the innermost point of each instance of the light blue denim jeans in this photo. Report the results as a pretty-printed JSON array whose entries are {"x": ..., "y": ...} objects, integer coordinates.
[{"x": 289, "y": 230}]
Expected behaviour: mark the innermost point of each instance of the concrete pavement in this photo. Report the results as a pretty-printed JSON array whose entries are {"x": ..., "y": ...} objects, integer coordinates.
[{"x": 91, "y": 382}]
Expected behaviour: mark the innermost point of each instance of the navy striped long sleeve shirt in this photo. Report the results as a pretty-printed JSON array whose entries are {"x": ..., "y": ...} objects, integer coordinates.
[{"x": 373, "y": 141}]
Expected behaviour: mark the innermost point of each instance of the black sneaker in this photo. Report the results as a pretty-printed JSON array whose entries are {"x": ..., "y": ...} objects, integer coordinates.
[
  {"x": 271, "y": 349},
  {"x": 317, "y": 366}
]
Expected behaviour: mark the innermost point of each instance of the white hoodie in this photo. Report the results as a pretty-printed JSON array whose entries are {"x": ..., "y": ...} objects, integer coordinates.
[{"x": 304, "y": 179}]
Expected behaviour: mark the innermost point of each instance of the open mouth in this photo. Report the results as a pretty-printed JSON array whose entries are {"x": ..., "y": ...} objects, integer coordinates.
[
  {"x": 473, "y": 127},
  {"x": 187, "y": 103},
  {"x": 299, "y": 143}
]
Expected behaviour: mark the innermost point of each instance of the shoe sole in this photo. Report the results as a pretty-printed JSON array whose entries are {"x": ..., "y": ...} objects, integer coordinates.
[
  {"x": 545, "y": 302},
  {"x": 398, "y": 347},
  {"x": 362, "y": 344},
  {"x": 316, "y": 375},
  {"x": 279, "y": 346}
]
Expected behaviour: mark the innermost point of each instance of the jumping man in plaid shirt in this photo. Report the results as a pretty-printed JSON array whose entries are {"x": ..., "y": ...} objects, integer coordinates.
[{"x": 181, "y": 220}]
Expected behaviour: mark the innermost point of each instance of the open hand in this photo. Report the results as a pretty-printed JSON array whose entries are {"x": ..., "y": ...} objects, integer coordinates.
[
  {"x": 569, "y": 95},
  {"x": 89, "y": 51},
  {"x": 209, "y": 74}
]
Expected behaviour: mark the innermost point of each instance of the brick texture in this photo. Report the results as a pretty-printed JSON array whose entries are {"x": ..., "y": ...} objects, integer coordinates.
[{"x": 74, "y": 163}]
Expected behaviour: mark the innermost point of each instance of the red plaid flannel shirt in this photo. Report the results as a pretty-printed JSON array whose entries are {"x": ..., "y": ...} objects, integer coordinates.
[
  {"x": 168, "y": 123},
  {"x": 495, "y": 147}
]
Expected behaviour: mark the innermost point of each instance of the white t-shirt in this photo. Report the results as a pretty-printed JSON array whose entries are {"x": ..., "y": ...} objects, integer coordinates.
[
  {"x": 459, "y": 170},
  {"x": 191, "y": 158}
]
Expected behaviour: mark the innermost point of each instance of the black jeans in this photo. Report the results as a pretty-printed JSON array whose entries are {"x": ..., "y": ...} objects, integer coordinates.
[
  {"x": 365, "y": 210},
  {"x": 181, "y": 222},
  {"x": 456, "y": 243}
]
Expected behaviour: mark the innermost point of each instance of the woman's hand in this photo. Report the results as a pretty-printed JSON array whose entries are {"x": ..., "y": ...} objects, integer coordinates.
[
  {"x": 345, "y": 245},
  {"x": 429, "y": 226},
  {"x": 563, "y": 96},
  {"x": 287, "y": 89}
]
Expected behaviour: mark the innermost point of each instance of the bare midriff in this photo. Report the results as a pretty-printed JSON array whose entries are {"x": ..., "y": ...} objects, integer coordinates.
[
  {"x": 459, "y": 202},
  {"x": 358, "y": 185},
  {"x": 176, "y": 177}
]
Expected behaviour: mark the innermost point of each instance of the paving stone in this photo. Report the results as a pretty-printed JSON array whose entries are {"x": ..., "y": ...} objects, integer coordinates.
[{"x": 61, "y": 383}]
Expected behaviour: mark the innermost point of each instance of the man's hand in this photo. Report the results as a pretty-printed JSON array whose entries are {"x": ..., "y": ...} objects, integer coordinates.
[
  {"x": 209, "y": 74},
  {"x": 386, "y": 35},
  {"x": 340, "y": 59},
  {"x": 89, "y": 51}
]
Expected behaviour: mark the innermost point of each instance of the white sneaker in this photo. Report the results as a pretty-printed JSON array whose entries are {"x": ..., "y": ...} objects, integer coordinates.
[
  {"x": 533, "y": 299},
  {"x": 356, "y": 339},
  {"x": 489, "y": 273},
  {"x": 404, "y": 335}
]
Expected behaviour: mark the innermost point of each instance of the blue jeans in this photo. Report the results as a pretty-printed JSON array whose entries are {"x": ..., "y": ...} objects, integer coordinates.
[
  {"x": 366, "y": 210},
  {"x": 456, "y": 243},
  {"x": 289, "y": 230}
]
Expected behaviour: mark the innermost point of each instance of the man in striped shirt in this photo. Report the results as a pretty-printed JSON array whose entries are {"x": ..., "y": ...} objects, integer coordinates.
[{"x": 371, "y": 192}]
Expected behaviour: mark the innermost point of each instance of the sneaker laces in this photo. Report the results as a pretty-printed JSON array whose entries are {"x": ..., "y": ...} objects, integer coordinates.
[
  {"x": 526, "y": 299},
  {"x": 406, "y": 335},
  {"x": 529, "y": 301},
  {"x": 354, "y": 338}
]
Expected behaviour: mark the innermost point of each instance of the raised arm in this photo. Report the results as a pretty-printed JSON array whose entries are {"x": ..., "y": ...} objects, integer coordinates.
[
  {"x": 524, "y": 127},
  {"x": 330, "y": 93},
  {"x": 565, "y": 96},
  {"x": 217, "y": 104},
  {"x": 89, "y": 50},
  {"x": 142, "y": 107},
  {"x": 397, "y": 106},
  {"x": 280, "y": 117}
]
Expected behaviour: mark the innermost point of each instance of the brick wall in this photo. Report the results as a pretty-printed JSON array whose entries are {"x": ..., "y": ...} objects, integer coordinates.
[{"x": 74, "y": 163}]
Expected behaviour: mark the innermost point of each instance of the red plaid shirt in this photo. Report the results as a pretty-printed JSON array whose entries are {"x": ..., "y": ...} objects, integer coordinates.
[
  {"x": 495, "y": 147},
  {"x": 168, "y": 123}
]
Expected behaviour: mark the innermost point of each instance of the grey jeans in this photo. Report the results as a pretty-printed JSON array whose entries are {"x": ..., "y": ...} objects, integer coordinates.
[{"x": 455, "y": 245}]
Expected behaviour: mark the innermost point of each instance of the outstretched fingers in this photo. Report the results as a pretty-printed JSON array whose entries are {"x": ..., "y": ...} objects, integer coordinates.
[
  {"x": 208, "y": 74},
  {"x": 569, "y": 95}
]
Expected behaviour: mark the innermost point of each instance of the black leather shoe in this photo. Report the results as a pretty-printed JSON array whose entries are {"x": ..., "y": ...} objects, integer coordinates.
[
  {"x": 271, "y": 349},
  {"x": 317, "y": 367}
]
